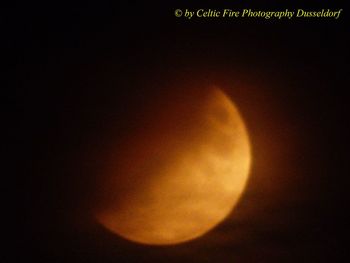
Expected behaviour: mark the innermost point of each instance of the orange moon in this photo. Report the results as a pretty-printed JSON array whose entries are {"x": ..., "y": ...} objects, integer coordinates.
[{"x": 181, "y": 174}]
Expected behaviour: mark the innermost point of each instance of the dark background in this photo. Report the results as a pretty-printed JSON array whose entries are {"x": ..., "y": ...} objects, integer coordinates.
[{"x": 79, "y": 79}]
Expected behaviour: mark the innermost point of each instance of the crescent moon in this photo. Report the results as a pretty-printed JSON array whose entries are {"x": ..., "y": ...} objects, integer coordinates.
[{"x": 180, "y": 176}]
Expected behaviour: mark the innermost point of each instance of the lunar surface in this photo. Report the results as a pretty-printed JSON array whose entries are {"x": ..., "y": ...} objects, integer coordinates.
[{"x": 180, "y": 173}]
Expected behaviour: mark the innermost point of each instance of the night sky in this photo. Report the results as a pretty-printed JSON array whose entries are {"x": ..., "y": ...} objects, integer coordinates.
[{"x": 81, "y": 77}]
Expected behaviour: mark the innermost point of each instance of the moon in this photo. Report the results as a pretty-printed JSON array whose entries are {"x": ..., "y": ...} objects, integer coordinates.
[{"x": 180, "y": 173}]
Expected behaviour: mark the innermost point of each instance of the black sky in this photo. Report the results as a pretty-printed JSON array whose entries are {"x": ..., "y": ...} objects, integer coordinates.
[{"x": 81, "y": 76}]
